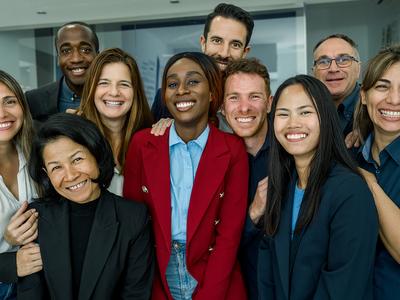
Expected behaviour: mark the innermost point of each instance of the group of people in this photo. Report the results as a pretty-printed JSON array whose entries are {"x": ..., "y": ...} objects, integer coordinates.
[{"x": 301, "y": 202}]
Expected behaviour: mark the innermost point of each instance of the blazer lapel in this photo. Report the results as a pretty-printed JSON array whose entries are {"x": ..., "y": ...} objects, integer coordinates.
[
  {"x": 282, "y": 242},
  {"x": 101, "y": 240},
  {"x": 157, "y": 171},
  {"x": 55, "y": 248},
  {"x": 209, "y": 176}
]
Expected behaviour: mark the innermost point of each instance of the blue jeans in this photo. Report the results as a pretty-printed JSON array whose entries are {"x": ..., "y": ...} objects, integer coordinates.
[
  {"x": 7, "y": 291},
  {"x": 181, "y": 284}
]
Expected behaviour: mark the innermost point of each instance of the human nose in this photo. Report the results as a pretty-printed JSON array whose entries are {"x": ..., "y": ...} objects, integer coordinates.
[
  {"x": 244, "y": 105},
  {"x": 182, "y": 89},
  {"x": 293, "y": 121},
  {"x": 394, "y": 96},
  {"x": 114, "y": 90},
  {"x": 224, "y": 50},
  {"x": 333, "y": 67},
  {"x": 76, "y": 56},
  {"x": 3, "y": 112},
  {"x": 70, "y": 173}
]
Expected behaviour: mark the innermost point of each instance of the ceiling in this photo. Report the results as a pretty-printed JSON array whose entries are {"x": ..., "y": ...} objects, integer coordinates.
[{"x": 22, "y": 14}]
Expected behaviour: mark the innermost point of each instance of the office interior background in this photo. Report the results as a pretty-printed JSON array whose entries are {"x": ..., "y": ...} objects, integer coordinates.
[{"x": 153, "y": 30}]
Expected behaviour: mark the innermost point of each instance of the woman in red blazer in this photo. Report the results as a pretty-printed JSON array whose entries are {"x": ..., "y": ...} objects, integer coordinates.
[{"x": 197, "y": 224}]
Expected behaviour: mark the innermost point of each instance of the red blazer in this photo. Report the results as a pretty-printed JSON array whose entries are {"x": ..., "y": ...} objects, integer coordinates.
[{"x": 216, "y": 211}]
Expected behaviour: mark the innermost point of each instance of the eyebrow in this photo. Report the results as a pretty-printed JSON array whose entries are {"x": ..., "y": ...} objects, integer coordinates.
[
  {"x": 340, "y": 54},
  {"x": 72, "y": 155},
  {"x": 106, "y": 79},
  {"x": 189, "y": 73},
  {"x": 297, "y": 108},
  {"x": 9, "y": 97},
  {"x": 384, "y": 80}
]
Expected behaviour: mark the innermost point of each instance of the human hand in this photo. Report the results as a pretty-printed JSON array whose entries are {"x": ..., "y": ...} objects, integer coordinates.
[
  {"x": 29, "y": 260},
  {"x": 73, "y": 111},
  {"x": 22, "y": 228},
  {"x": 352, "y": 140},
  {"x": 161, "y": 126},
  {"x": 257, "y": 207}
]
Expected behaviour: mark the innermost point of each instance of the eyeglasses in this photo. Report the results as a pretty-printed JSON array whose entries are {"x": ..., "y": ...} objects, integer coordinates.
[{"x": 342, "y": 61}]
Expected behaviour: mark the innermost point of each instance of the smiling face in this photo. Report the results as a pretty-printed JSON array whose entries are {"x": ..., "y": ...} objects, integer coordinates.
[
  {"x": 246, "y": 104},
  {"x": 296, "y": 123},
  {"x": 383, "y": 103},
  {"x": 339, "y": 81},
  {"x": 71, "y": 168},
  {"x": 113, "y": 97},
  {"x": 225, "y": 41},
  {"x": 76, "y": 50},
  {"x": 11, "y": 114},
  {"x": 187, "y": 95}
]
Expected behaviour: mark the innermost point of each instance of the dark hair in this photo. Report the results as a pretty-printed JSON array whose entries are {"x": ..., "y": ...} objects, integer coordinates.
[
  {"x": 331, "y": 148},
  {"x": 82, "y": 132},
  {"x": 248, "y": 66},
  {"x": 212, "y": 73},
  {"x": 342, "y": 37},
  {"x": 138, "y": 117},
  {"x": 376, "y": 68},
  {"x": 95, "y": 38},
  {"x": 24, "y": 136},
  {"x": 231, "y": 11}
]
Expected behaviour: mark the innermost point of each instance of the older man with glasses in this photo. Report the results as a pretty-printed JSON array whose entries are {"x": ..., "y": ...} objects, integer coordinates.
[{"x": 337, "y": 65}]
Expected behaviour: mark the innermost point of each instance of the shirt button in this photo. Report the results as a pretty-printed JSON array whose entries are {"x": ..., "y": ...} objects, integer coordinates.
[{"x": 377, "y": 171}]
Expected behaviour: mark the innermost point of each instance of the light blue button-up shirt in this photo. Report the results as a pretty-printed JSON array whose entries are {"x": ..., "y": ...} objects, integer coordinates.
[{"x": 184, "y": 160}]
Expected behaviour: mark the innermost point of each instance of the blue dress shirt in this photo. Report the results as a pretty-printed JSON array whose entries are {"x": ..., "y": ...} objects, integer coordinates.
[
  {"x": 184, "y": 160},
  {"x": 297, "y": 200},
  {"x": 387, "y": 270},
  {"x": 67, "y": 98}
]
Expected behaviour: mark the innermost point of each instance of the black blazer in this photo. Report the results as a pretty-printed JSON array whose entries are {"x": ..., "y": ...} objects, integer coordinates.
[
  {"x": 333, "y": 257},
  {"x": 43, "y": 102},
  {"x": 119, "y": 256}
]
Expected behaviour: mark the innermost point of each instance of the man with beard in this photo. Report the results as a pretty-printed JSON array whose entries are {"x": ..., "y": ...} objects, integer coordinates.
[
  {"x": 77, "y": 45},
  {"x": 226, "y": 36},
  {"x": 247, "y": 102},
  {"x": 337, "y": 65}
]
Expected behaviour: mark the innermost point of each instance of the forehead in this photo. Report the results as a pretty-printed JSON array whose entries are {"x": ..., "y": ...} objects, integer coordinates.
[
  {"x": 74, "y": 34},
  {"x": 115, "y": 69},
  {"x": 61, "y": 147},
  {"x": 333, "y": 47},
  {"x": 227, "y": 28},
  {"x": 293, "y": 96},
  {"x": 245, "y": 83},
  {"x": 183, "y": 66},
  {"x": 5, "y": 91}
]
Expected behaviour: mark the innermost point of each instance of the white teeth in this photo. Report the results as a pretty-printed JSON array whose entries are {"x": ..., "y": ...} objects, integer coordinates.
[
  {"x": 245, "y": 120},
  {"x": 76, "y": 186},
  {"x": 77, "y": 70},
  {"x": 390, "y": 113},
  {"x": 5, "y": 124},
  {"x": 296, "y": 136},
  {"x": 184, "y": 104},
  {"x": 113, "y": 103}
]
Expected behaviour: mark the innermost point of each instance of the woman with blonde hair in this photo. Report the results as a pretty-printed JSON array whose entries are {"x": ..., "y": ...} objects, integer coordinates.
[
  {"x": 114, "y": 99},
  {"x": 377, "y": 122}
]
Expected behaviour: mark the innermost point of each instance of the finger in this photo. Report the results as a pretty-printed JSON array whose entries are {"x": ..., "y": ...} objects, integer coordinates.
[
  {"x": 29, "y": 232},
  {"x": 20, "y": 219},
  {"x": 31, "y": 238},
  {"x": 20, "y": 211},
  {"x": 18, "y": 233}
]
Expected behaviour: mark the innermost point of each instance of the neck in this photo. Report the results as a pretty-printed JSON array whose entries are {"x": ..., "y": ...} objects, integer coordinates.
[
  {"x": 255, "y": 142},
  {"x": 189, "y": 133},
  {"x": 115, "y": 134},
  {"x": 303, "y": 171},
  {"x": 6, "y": 150},
  {"x": 76, "y": 89}
]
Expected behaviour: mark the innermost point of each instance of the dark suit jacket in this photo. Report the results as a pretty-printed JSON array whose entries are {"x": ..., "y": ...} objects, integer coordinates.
[
  {"x": 119, "y": 256},
  {"x": 333, "y": 258},
  {"x": 43, "y": 102},
  {"x": 216, "y": 212}
]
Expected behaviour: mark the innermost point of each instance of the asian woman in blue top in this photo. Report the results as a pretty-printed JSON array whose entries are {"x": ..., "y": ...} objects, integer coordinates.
[
  {"x": 377, "y": 121},
  {"x": 320, "y": 221}
]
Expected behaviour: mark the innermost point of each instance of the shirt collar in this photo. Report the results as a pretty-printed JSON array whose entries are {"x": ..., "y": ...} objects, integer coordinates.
[
  {"x": 201, "y": 141},
  {"x": 349, "y": 103},
  {"x": 393, "y": 149}
]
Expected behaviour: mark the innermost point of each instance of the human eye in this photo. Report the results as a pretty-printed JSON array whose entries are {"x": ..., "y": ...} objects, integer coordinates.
[
  {"x": 125, "y": 84},
  {"x": 236, "y": 45},
  {"x": 380, "y": 86},
  {"x": 323, "y": 62},
  {"x": 86, "y": 50},
  {"x": 172, "y": 84},
  {"x": 233, "y": 98},
  {"x": 102, "y": 82},
  {"x": 193, "y": 82},
  {"x": 77, "y": 159},
  {"x": 65, "y": 50},
  {"x": 305, "y": 113},
  {"x": 255, "y": 97},
  {"x": 216, "y": 40},
  {"x": 55, "y": 168},
  {"x": 10, "y": 101}
]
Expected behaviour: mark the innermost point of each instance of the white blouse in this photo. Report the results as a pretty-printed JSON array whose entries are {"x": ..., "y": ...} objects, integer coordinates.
[
  {"x": 116, "y": 183},
  {"x": 9, "y": 204}
]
